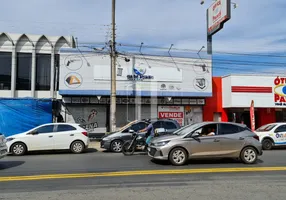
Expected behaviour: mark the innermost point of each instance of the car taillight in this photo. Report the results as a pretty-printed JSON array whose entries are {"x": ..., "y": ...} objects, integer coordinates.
[
  {"x": 256, "y": 137},
  {"x": 85, "y": 133}
]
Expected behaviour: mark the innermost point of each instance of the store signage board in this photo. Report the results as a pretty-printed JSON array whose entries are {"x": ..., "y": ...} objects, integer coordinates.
[{"x": 172, "y": 112}]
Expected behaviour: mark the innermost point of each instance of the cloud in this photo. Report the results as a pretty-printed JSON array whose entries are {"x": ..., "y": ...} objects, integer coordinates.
[{"x": 255, "y": 26}]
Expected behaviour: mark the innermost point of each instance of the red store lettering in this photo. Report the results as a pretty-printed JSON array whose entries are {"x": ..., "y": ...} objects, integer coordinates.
[
  {"x": 278, "y": 98},
  {"x": 278, "y": 80}
]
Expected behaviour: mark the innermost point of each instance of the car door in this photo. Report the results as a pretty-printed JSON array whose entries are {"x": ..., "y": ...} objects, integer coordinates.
[
  {"x": 203, "y": 145},
  {"x": 231, "y": 138},
  {"x": 280, "y": 135},
  {"x": 41, "y": 138},
  {"x": 64, "y": 135}
]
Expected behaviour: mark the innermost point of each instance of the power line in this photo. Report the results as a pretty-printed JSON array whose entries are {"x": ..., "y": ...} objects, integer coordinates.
[{"x": 193, "y": 50}]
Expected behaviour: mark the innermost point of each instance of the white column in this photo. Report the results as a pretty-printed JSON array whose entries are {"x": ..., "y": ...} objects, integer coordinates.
[
  {"x": 13, "y": 72},
  {"x": 137, "y": 92},
  {"x": 52, "y": 73},
  {"x": 33, "y": 73}
]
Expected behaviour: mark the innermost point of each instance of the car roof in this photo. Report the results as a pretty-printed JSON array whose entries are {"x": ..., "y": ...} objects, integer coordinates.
[
  {"x": 212, "y": 122},
  {"x": 275, "y": 123},
  {"x": 61, "y": 123}
]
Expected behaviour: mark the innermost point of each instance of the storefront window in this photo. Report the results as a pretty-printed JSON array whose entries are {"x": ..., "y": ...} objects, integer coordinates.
[
  {"x": 5, "y": 70},
  {"x": 24, "y": 65},
  {"x": 43, "y": 72}
]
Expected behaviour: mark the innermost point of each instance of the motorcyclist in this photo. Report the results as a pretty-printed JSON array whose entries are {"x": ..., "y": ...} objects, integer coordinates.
[{"x": 150, "y": 132}]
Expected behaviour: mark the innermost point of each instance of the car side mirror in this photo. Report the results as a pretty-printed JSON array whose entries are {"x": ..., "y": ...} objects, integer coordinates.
[
  {"x": 276, "y": 131},
  {"x": 34, "y": 133},
  {"x": 131, "y": 131},
  {"x": 160, "y": 130},
  {"x": 195, "y": 135}
]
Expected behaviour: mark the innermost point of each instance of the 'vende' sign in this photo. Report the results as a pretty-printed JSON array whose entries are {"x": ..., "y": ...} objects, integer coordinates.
[
  {"x": 171, "y": 115},
  {"x": 172, "y": 112}
]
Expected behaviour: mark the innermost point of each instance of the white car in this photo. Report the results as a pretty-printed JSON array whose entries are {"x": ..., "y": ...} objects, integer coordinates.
[
  {"x": 54, "y": 136},
  {"x": 3, "y": 146},
  {"x": 273, "y": 134}
]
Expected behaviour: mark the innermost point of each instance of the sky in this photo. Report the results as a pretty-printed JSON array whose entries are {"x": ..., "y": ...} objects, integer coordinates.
[{"x": 250, "y": 41}]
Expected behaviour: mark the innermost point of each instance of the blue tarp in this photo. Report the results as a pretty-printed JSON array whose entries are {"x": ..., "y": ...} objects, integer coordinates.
[{"x": 20, "y": 115}]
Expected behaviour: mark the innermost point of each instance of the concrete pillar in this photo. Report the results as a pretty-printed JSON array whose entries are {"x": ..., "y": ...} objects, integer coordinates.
[
  {"x": 13, "y": 72},
  {"x": 137, "y": 93},
  {"x": 33, "y": 73},
  {"x": 52, "y": 73}
]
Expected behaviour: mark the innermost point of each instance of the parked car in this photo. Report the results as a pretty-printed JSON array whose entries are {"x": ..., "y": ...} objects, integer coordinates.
[
  {"x": 271, "y": 135},
  {"x": 230, "y": 140},
  {"x": 3, "y": 146},
  {"x": 53, "y": 136},
  {"x": 114, "y": 141}
]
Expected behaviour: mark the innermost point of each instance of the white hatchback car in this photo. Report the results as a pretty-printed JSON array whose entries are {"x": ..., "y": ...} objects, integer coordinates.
[
  {"x": 273, "y": 134},
  {"x": 54, "y": 136},
  {"x": 3, "y": 146}
]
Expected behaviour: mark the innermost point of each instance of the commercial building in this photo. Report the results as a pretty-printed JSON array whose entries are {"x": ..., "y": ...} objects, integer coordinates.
[
  {"x": 29, "y": 64},
  {"x": 232, "y": 96},
  {"x": 147, "y": 87},
  {"x": 29, "y": 67}
]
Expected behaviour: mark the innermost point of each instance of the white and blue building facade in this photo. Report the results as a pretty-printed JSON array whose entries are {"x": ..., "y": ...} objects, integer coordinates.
[
  {"x": 29, "y": 71},
  {"x": 147, "y": 87}
]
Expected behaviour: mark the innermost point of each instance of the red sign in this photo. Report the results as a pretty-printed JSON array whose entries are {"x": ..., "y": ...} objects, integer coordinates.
[
  {"x": 252, "y": 116},
  {"x": 171, "y": 114}
]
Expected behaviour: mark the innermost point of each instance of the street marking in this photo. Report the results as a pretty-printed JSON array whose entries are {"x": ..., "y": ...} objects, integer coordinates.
[{"x": 137, "y": 173}]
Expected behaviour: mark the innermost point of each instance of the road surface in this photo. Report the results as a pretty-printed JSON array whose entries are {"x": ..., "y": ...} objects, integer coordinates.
[{"x": 98, "y": 178}]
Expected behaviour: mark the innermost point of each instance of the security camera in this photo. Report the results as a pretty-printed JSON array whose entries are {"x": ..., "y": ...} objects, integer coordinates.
[
  {"x": 127, "y": 59},
  {"x": 202, "y": 2}
]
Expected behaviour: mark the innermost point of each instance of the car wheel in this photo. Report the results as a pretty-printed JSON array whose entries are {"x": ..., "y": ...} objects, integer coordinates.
[
  {"x": 249, "y": 155},
  {"x": 77, "y": 147},
  {"x": 178, "y": 156},
  {"x": 116, "y": 146},
  {"x": 267, "y": 144},
  {"x": 18, "y": 149}
]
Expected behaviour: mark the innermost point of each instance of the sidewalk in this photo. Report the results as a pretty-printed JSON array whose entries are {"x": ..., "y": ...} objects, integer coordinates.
[{"x": 95, "y": 145}]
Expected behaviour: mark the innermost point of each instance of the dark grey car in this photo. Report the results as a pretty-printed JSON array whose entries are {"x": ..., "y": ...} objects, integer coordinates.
[
  {"x": 229, "y": 140},
  {"x": 114, "y": 141}
]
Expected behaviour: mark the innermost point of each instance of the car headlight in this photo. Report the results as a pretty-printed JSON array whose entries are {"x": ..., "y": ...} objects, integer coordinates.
[
  {"x": 106, "y": 139},
  {"x": 9, "y": 139},
  {"x": 160, "y": 144}
]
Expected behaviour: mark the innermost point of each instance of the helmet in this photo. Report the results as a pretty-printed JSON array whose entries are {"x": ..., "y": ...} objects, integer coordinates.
[{"x": 148, "y": 120}]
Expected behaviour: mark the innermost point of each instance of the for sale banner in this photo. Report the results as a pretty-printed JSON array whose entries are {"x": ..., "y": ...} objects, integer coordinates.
[
  {"x": 252, "y": 116},
  {"x": 172, "y": 112}
]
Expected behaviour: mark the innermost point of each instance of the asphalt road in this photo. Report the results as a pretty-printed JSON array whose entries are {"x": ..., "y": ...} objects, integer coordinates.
[
  {"x": 54, "y": 163},
  {"x": 235, "y": 185}
]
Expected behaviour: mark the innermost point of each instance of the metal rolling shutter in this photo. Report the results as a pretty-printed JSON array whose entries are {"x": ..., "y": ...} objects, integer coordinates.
[
  {"x": 122, "y": 117},
  {"x": 92, "y": 117}
]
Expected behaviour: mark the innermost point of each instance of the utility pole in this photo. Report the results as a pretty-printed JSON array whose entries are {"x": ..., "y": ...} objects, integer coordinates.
[{"x": 113, "y": 74}]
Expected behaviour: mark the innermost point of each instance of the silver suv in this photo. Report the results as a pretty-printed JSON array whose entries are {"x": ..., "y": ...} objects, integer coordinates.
[
  {"x": 207, "y": 140},
  {"x": 3, "y": 146}
]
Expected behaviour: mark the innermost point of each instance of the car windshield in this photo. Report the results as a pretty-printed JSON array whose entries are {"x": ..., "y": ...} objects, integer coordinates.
[
  {"x": 127, "y": 125},
  {"x": 267, "y": 127},
  {"x": 186, "y": 129}
]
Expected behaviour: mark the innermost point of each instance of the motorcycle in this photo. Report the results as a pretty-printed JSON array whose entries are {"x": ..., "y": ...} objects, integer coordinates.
[{"x": 138, "y": 141}]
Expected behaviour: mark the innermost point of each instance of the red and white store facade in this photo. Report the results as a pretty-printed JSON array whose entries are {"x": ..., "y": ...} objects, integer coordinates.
[{"x": 232, "y": 96}]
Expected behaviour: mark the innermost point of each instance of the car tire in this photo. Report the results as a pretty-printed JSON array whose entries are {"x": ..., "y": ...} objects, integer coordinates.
[
  {"x": 267, "y": 144},
  {"x": 77, "y": 147},
  {"x": 178, "y": 156},
  {"x": 116, "y": 146},
  {"x": 249, "y": 155},
  {"x": 18, "y": 149}
]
